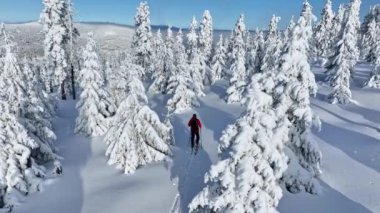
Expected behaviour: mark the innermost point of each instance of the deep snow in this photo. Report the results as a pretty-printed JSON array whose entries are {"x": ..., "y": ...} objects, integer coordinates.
[{"x": 349, "y": 141}]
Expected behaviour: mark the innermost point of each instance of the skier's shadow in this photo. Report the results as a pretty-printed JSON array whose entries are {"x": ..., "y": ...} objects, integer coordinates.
[{"x": 187, "y": 169}]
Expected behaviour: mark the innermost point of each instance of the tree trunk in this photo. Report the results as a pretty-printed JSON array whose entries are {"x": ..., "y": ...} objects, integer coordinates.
[
  {"x": 63, "y": 91},
  {"x": 73, "y": 82}
]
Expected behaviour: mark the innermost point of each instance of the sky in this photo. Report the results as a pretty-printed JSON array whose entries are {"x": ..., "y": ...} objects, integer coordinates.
[{"x": 175, "y": 12}]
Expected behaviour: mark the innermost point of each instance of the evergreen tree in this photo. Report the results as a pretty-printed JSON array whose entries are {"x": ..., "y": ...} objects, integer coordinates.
[
  {"x": 298, "y": 83},
  {"x": 137, "y": 136},
  {"x": 218, "y": 64},
  {"x": 119, "y": 79},
  {"x": 73, "y": 38},
  {"x": 237, "y": 69},
  {"x": 346, "y": 53},
  {"x": 25, "y": 136},
  {"x": 161, "y": 76},
  {"x": 272, "y": 47},
  {"x": 141, "y": 43},
  {"x": 323, "y": 31},
  {"x": 54, "y": 18},
  {"x": 368, "y": 42},
  {"x": 247, "y": 178},
  {"x": 288, "y": 31},
  {"x": 36, "y": 118},
  {"x": 157, "y": 66},
  {"x": 206, "y": 36},
  {"x": 197, "y": 65},
  {"x": 94, "y": 105},
  {"x": 180, "y": 84},
  {"x": 374, "y": 80},
  {"x": 373, "y": 14},
  {"x": 260, "y": 42}
]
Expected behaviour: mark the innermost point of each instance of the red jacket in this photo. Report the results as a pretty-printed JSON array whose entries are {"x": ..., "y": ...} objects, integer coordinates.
[{"x": 198, "y": 123}]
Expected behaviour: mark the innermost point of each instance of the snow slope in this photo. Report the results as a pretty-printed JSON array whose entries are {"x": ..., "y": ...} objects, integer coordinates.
[{"x": 349, "y": 141}]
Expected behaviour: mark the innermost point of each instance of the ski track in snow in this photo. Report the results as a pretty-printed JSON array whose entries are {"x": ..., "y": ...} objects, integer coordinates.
[{"x": 349, "y": 141}]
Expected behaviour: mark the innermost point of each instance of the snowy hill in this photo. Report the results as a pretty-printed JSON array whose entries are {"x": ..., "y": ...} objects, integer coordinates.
[
  {"x": 349, "y": 141},
  {"x": 109, "y": 36}
]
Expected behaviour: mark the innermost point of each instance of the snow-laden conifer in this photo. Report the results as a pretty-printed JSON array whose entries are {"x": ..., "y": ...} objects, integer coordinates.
[
  {"x": 345, "y": 56},
  {"x": 157, "y": 65},
  {"x": 94, "y": 105},
  {"x": 25, "y": 137},
  {"x": 180, "y": 84},
  {"x": 218, "y": 64},
  {"x": 164, "y": 61},
  {"x": 136, "y": 137},
  {"x": 142, "y": 38},
  {"x": 247, "y": 179},
  {"x": 237, "y": 69},
  {"x": 368, "y": 47},
  {"x": 260, "y": 42},
  {"x": 36, "y": 117},
  {"x": 206, "y": 36},
  {"x": 272, "y": 47},
  {"x": 288, "y": 31},
  {"x": 197, "y": 65},
  {"x": 298, "y": 84},
  {"x": 323, "y": 31},
  {"x": 56, "y": 38},
  {"x": 374, "y": 80},
  {"x": 118, "y": 81}
]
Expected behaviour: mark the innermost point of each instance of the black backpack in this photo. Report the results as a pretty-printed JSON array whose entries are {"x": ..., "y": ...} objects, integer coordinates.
[{"x": 194, "y": 125}]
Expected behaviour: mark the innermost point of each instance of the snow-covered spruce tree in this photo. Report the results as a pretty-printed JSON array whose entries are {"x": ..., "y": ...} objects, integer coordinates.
[
  {"x": 368, "y": 47},
  {"x": 260, "y": 42},
  {"x": 237, "y": 69},
  {"x": 374, "y": 81},
  {"x": 56, "y": 38},
  {"x": 218, "y": 64},
  {"x": 197, "y": 65},
  {"x": 137, "y": 136},
  {"x": 206, "y": 36},
  {"x": 161, "y": 80},
  {"x": 373, "y": 14},
  {"x": 158, "y": 64},
  {"x": 288, "y": 31},
  {"x": 184, "y": 97},
  {"x": 180, "y": 84},
  {"x": 94, "y": 105},
  {"x": 36, "y": 117},
  {"x": 72, "y": 49},
  {"x": 298, "y": 83},
  {"x": 23, "y": 146},
  {"x": 118, "y": 81},
  {"x": 247, "y": 178},
  {"x": 142, "y": 39},
  {"x": 20, "y": 170},
  {"x": 345, "y": 56},
  {"x": 272, "y": 47},
  {"x": 323, "y": 31},
  {"x": 205, "y": 46}
]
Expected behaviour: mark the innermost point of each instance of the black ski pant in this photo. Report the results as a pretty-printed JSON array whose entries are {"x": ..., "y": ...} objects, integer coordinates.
[{"x": 194, "y": 136}]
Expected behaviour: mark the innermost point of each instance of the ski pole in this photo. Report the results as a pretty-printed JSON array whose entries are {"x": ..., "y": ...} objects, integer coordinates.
[{"x": 201, "y": 139}]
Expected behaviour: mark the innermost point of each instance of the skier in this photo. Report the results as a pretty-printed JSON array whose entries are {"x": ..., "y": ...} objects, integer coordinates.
[{"x": 195, "y": 124}]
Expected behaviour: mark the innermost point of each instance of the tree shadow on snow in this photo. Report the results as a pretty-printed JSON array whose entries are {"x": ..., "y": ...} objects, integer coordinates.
[
  {"x": 369, "y": 114},
  {"x": 348, "y": 120},
  {"x": 329, "y": 201},
  {"x": 350, "y": 142}
]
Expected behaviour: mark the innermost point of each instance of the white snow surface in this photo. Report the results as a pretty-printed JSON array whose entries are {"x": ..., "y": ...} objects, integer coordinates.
[{"x": 349, "y": 141}]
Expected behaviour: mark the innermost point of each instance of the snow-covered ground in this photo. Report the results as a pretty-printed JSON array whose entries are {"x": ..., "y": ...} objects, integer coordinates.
[{"x": 349, "y": 141}]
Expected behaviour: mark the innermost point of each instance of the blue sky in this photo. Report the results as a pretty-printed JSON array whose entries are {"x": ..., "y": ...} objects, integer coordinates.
[{"x": 174, "y": 12}]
